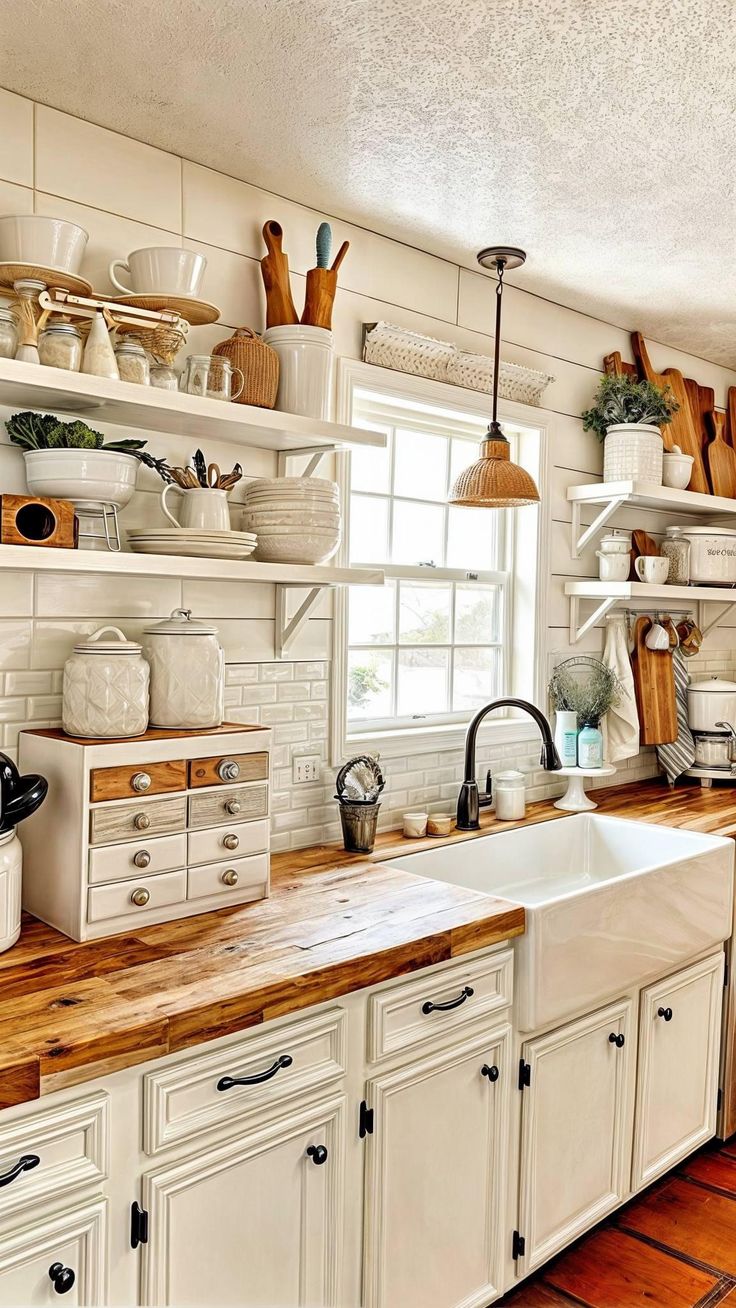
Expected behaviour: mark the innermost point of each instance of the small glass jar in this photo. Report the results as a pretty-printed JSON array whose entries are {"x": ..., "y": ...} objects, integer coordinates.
[
  {"x": 8, "y": 334},
  {"x": 60, "y": 346},
  {"x": 105, "y": 690},
  {"x": 509, "y": 792},
  {"x": 133, "y": 363},
  {"x": 164, "y": 376},
  {"x": 676, "y": 548}
]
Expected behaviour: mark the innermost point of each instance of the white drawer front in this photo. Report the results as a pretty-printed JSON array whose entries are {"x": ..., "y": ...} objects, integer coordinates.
[
  {"x": 137, "y": 858},
  {"x": 228, "y": 842},
  {"x": 116, "y": 900},
  {"x": 406, "y": 1015},
  {"x": 71, "y": 1143},
  {"x": 241, "y": 804},
  {"x": 234, "y": 877},
  {"x": 184, "y": 1101},
  {"x": 142, "y": 819}
]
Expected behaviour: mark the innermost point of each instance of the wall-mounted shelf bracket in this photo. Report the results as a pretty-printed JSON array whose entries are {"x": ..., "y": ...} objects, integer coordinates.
[
  {"x": 287, "y": 629},
  {"x": 577, "y": 632},
  {"x": 315, "y": 453},
  {"x": 580, "y": 540}
]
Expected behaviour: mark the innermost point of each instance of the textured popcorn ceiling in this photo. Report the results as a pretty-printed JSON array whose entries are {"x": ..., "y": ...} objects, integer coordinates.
[{"x": 599, "y": 134}]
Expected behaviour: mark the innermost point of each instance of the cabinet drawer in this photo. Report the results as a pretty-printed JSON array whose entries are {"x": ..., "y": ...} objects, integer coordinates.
[
  {"x": 115, "y": 862},
  {"x": 228, "y": 842},
  {"x": 215, "y": 878},
  {"x": 137, "y": 821},
  {"x": 144, "y": 779},
  {"x": 221, "y": 770},
  {"x": 286, "y": 1063},
  {"x": 409, "y": 1014},
  {"x": 70, "y": 1145},
  {"x": 243, "y": 804},
  {"x": 116, "y": 899}
]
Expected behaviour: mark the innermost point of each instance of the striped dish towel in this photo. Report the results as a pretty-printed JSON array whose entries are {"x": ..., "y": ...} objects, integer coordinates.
[{"x": 680, "y": 755}]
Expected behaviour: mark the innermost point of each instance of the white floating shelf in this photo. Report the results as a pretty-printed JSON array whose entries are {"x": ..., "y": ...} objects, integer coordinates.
[
  {"x": 612, "y": 594},
  {"x": 123, "y": 404},
  {"x": 614, "y": 495}
]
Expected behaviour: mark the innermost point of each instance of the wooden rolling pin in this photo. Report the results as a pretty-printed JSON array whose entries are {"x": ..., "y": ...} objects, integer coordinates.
[{"x": 280, "y": 310}]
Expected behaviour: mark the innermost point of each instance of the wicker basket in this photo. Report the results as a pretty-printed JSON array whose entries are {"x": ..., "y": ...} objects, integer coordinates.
[{"x": 258, "y": 363}]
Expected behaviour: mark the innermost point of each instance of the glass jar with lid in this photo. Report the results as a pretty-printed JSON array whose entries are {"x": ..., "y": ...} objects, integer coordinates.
[
  {"x": 8, "y": 333},
  {"x": 164, "y": 376},
  {"x": 132, "y": 360},
  {"x": 676, "y": 548},
  {"x": 105, "y": 689},
  {"x": 60, "y": 346},
  {"x": 187, "y": 673},
  {"x": 509, "y": 793}
]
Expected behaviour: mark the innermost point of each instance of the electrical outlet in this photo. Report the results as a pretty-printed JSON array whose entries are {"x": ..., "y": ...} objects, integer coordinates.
[{"x": 306, "y": 768}]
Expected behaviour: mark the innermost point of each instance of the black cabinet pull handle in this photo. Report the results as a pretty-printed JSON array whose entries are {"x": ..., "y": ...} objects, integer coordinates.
[
  {"x": 318, "y": 1154},
  {"x": 227, "y": 1082},
  {"x": 617, "y": 1039},
  {"x": 62, "y": 1277},
  {"x": 429, "y": 1007},
  {"x": 666, "y": 1013},
  {"x": 491, "y": 1072},
  {"x": 24, "y": 1164}
]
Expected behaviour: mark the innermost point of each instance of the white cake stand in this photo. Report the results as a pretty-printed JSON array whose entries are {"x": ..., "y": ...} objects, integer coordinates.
[{"x": 575, "y": 799}]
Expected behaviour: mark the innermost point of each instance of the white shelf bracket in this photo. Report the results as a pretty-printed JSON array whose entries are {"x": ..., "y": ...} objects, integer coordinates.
[
  {"x": 706, "y": 629},
  {"x": 316, "y": 455},
  {"x": 288, "y": 630},
  {"x": 576, "y": 632},
  {"x": 580, "y": 541}
]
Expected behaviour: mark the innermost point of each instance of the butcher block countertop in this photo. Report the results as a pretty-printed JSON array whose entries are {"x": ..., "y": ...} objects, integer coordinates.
[{"x": 334, "y": 923}]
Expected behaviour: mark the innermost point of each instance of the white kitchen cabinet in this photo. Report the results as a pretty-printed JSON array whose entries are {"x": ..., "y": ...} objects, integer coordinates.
[
  {"x": 435, "y": 1173},
  {"x": 61, "y": 1256},
  {"x": 256, "y": 1221},
  {"x": 679, "y": 1040},
  {"x": 577, "y": 1114}
]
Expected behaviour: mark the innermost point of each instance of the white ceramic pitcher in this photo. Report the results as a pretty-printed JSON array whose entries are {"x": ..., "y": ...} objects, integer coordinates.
[{"x": 206, "y": 510}]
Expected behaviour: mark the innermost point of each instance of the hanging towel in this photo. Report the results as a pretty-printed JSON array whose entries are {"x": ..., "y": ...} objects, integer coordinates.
[
  {"x": 621, "y": 724},
  {"x": 680, "y": 755}
]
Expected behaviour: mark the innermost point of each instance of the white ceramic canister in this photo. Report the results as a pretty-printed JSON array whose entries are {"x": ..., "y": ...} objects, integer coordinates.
[
  {"x": 632, "y": 451},
  {"x": 712, "y": 555},
  {"x": 709, "y": 702},
  {"x": 616, "y": 542},
  {"x": 105, "y": 691},
  {"x": 11, "y": 870},
  {"x": 187, "y": 673},
  {"x": 509, "y": 794},
  {"x": 306, "y": 368}
]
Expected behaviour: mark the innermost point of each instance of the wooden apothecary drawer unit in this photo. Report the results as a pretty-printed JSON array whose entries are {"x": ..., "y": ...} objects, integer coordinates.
[{"x": 140, "y": 831}]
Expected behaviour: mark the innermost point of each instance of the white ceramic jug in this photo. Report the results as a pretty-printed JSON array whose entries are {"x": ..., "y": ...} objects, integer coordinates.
[{"x": 206, "y": 510}]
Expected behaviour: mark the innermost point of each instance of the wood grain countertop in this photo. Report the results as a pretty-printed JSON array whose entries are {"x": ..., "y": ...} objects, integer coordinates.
[{"x": 334, "y": 923}]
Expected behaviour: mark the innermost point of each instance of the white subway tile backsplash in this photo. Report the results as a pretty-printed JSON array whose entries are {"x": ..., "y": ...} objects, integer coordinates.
[
  {"x": 44, "y": 707},
  {"x": 111, "y": 236},
  {"x": 16, "y": 140},
  {"x": 58, "y": 594},
  {"x": 15, "y": 644},
  {"x": 12, "y": 710},
  {"x": 16, "y": 595},
  {"x": 232, "y": 282}
]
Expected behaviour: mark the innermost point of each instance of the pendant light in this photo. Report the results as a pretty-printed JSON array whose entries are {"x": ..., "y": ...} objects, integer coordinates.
[{"x": 494, "y": 482}]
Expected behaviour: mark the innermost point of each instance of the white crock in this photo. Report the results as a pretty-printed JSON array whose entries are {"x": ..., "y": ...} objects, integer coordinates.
[
  {"x": 632, "y": 451},
  {"x": 306, "y": 366},
  {"x": 11, "y": 872},
  {"x": 105, "y": 689},
  {"x": 187, "y": 673},
  {"x": 709, "y": 702},
  {"x": 712, "y": 555},
  {"x": 99, "y": 475}
]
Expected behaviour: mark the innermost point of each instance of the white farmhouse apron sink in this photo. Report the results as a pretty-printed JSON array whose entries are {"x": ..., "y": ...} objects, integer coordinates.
[{"x": 609, "y": 903}]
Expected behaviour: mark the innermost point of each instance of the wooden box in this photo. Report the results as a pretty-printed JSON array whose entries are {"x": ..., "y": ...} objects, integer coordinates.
[{"x": 29, "y": 520}]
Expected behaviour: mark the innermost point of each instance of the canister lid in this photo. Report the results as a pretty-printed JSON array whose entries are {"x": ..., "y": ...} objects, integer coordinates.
[
  {"x": 709, "y": 531},
  {"x": 511, "y": 777},
  {"x": 180, "y": 623},
  {"x": 711, "y": 686},
  {"x": 119, "y": 644}
]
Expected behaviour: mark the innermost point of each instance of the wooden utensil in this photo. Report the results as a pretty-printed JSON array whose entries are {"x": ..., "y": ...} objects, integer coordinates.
[
  {"x": 682, "y": 430},
  {"x": 721, "y": 458},
  {"x": 213, "y": 476},
  {"x": 731, "y": 417},
  {"x": 641, "y": 543},
  {"x": 280, "y": 310},
  {"x": 654, "y": 685},
  {"x": 321, "y": 288}
]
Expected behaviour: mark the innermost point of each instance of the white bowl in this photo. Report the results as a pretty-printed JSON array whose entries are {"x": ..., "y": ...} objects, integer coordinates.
[
  {"x": 287, "y": 517},
  {"x": 677, "y": 470},
  {"x": 296, "y": 483},
  {"x": 99, "y": 475},
  {"x": 50, "y": 242},
  {"x": 290, "y": 502},
  {"x": 296, "y": 529},
  {"x": 294, "y": 549},
  {"x": 276, "y": 493}
]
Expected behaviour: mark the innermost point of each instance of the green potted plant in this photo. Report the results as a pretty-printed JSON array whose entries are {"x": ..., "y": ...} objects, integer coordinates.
[{"x": 627, "y": 415}]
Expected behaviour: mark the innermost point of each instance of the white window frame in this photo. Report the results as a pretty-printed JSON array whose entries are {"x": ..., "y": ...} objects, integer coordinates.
[{"x": 526, "y": 599}]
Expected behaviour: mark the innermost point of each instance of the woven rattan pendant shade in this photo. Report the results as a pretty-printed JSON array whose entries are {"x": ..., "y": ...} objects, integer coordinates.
[{"x": 494, "y": 482}]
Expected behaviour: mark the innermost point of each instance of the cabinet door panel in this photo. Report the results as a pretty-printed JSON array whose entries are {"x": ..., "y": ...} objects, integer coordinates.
[
  {"x": 678, "y": 1067},
  {"x": 76, "y": 1240},
  {"x": 576, "y": 1129},
  {"x": 435, "y": 1176},
  {"x": 254, "y": 1222}
]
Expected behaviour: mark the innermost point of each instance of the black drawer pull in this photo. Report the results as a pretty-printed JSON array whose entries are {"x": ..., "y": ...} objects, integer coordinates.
[
  {"x": 62, "y": 1277},
  {"x": 227, "y": 1082},
  {"x": 617, "y": 1039},
  {"x": 666, "y": 1013},
  {"x": 318, "y": 1154},
  {"x": 490, "y": 1072},
  {"x": 429, "y": 1007},
  {"x": 24, "y": 1164}
]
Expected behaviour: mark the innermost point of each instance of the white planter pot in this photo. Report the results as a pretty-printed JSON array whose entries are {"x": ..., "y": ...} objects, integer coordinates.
[
  {"x": 82, "y": 475},
  {"x": 50, "y": 242},
  {"x": 306, "y": 366},
  {"x": 712, "y": 555},
  {"x": 633, "y": 451}
]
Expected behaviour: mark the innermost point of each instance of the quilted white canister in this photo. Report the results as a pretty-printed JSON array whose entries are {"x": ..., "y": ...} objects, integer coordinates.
[
  {"x": 105, "y": 689},
  {"x": 187, "y": 673},
  {"x": 633, "y": 451}
]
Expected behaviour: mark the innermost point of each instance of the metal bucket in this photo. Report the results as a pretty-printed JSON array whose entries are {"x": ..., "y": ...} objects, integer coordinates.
[{"x": 359, "y": 826}]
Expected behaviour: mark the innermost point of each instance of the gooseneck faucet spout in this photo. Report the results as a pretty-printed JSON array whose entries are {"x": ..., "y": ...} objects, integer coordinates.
[{"x": 469, "y": 802}]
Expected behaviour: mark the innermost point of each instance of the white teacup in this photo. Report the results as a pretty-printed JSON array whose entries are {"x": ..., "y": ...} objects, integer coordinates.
[
  {"x": 161, "y": 270},
  {"x": 657, "y": 637},
  {"x": 206, "y": 510},
  {"x": 613, "y": 567},
  {"x": 652, "y": 569}
]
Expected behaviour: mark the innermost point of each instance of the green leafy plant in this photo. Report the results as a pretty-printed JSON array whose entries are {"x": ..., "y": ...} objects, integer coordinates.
[
  {"x": 43, "y": 431},
  {"x": 622, "y": 399},
  {"x": 584, "y": 686},
  {"x": 364, "y": 682}
]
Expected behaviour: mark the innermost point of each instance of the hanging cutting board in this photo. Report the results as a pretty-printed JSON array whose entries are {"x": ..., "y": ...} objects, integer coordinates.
[
  {"x": 702, "y": 402},
  {"x": 721, "y": 458},
  {"x": 654, "y": 684},
  {"x": 731, "y": 417},
  {"x": 682, "y": 430}
]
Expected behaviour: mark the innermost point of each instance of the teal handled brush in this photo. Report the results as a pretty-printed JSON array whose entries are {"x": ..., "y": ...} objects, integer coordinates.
[{"x": 322, "y": 281}]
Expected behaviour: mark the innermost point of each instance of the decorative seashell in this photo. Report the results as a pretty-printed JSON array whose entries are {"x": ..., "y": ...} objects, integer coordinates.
[{"x": 360, "y": 780}]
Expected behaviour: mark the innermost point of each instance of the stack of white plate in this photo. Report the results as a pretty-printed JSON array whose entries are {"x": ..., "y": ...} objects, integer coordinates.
[
  {"x": 192, "y": 543},
  {"x": 296, "y": 519}
]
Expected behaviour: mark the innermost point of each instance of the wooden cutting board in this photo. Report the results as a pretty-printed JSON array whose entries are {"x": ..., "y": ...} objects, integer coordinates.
[
  {"x": 702, "y": 402},
  {"x": 654, "y": 684},
  {"x": 731, "y": 417},
  {"x": 682, "y": 430},
  {"x": 721, "y": 458},
  {"x": 614, "y": 365}
]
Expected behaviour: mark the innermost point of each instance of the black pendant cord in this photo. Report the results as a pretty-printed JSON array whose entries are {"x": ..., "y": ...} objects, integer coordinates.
[{"x": 497, "y": 349}]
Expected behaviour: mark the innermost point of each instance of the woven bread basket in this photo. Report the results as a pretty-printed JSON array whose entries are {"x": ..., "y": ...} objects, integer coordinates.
[{"x": 258, "y": 363}]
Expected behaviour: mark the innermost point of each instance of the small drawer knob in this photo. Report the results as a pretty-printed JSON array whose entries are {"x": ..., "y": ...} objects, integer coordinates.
[
  {"x": 228, "y": 770},
  {"x": 666, "y": 1013},
  {"x": 231, "y": 841},
  {"x": 142, "y": 858},
  {"x": 318, "y": 1154},
  {"x": 141, "y": 821},
  {"x": 232, "y": 806},
  {"x": 62, "y": 1278},
  {"x": 230, "y": 878},
  {"x": 141, "y": 782},
  {"x": 140, "y": 897}
]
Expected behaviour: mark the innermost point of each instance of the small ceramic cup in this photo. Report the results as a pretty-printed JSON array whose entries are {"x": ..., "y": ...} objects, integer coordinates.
[
  {"x": 440, "y": 824},
  {"x": 652, "y": 569},
  {"x": 415, "y": 825},
  {"x": 657, "y": 637}
]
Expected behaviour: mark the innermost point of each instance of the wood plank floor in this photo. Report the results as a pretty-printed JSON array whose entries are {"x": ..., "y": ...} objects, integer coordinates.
[{"x": 673, "y": 1247}]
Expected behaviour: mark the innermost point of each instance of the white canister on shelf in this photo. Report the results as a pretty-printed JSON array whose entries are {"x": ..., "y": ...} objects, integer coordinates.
[
  {"x": 632, "y": 451},
  {"x": 11, "y": 871},
  {"x": 105, "y": 691},
  {"x": 187, "y": 673},
  {"x": 509, "y": 792},
  {"x": 306, "y": 368}
]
